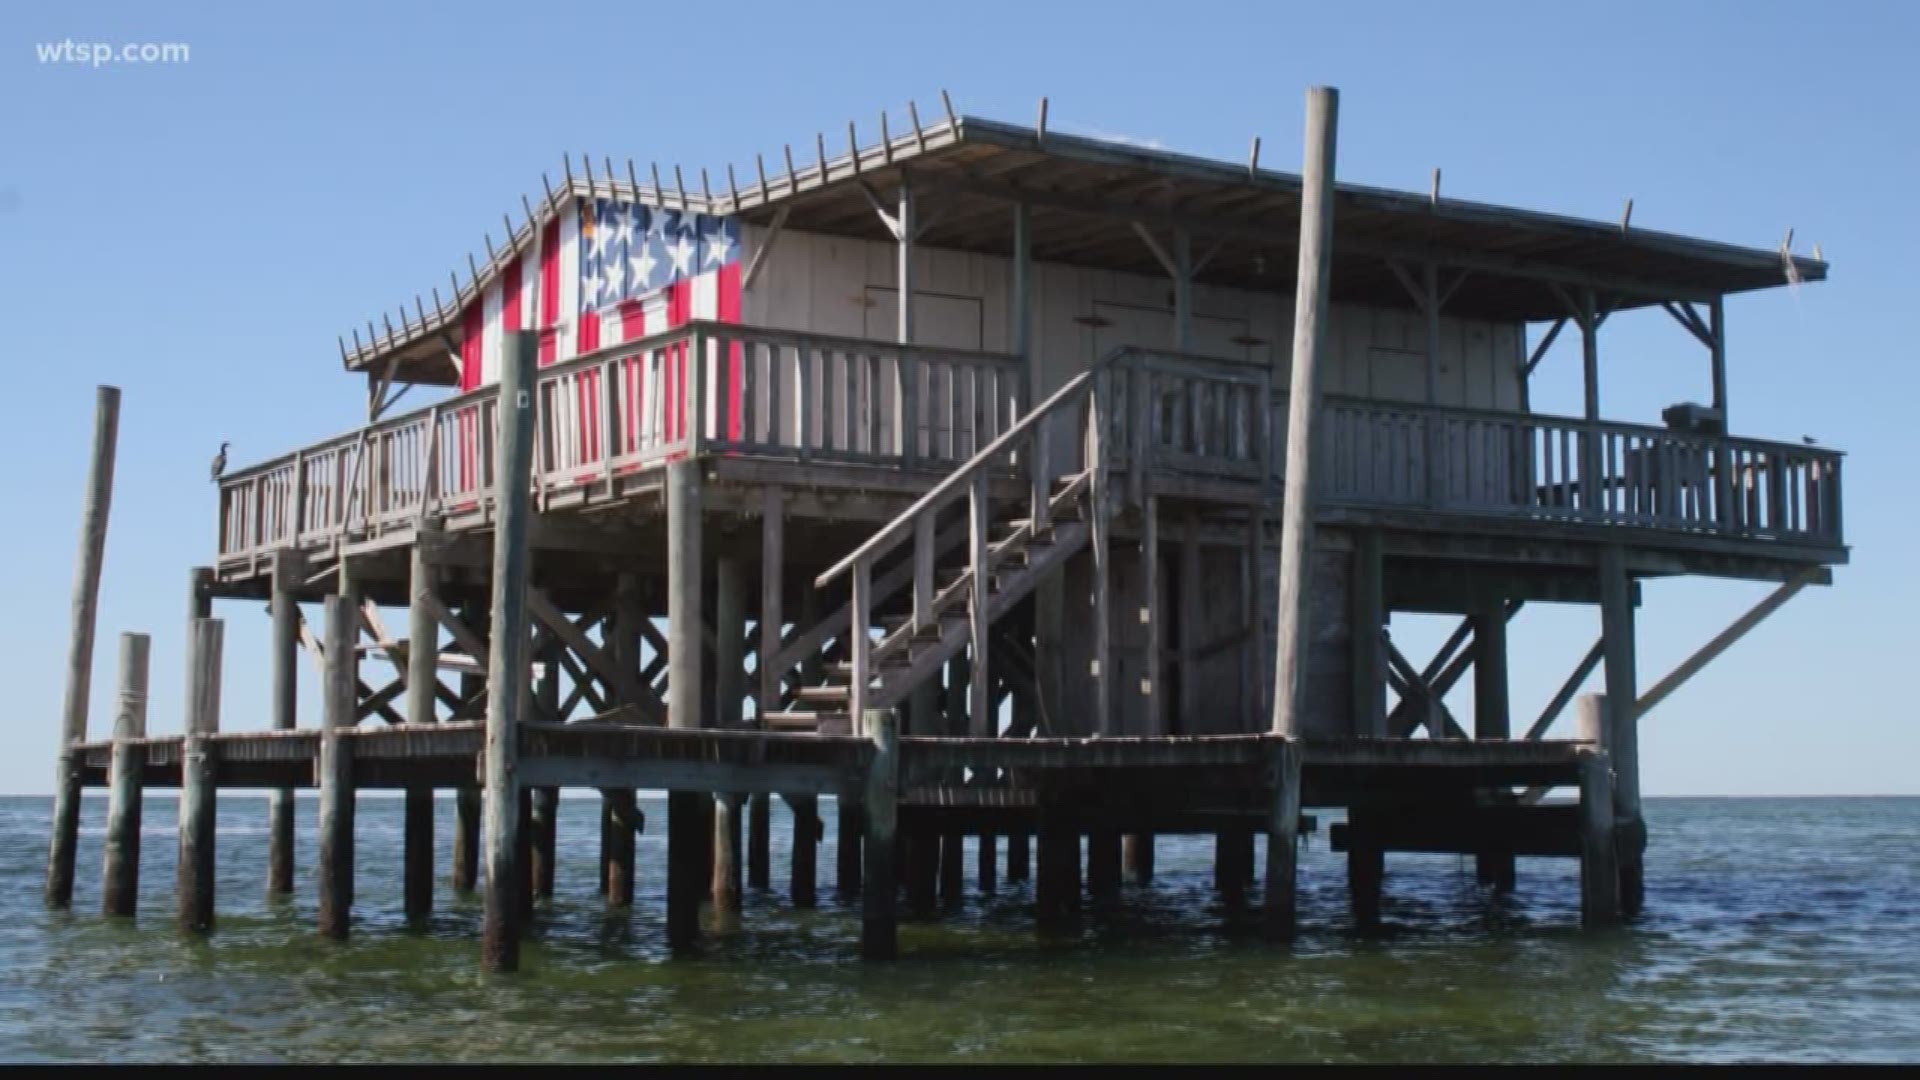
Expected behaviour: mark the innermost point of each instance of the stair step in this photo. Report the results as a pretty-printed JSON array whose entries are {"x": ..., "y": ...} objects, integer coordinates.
[
  {"x": 832, "y": 692},
  {"x": 823, "y": 723}
]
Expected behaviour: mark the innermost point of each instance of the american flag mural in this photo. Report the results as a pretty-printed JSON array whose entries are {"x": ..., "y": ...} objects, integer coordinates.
[{"x": 602, "y": 273}]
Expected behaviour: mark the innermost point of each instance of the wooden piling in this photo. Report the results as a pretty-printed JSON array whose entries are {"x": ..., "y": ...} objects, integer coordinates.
[
  {"x": 1366, "y": 869},
  {"x": 1057, "y": 885},
  {"x": 1623, "y": 723},
  {"x": 802, "y": 866},
  {"x": 86, "y": 594},
  {"x": 725, "y": 886},
  {"x": 1492, "y": 718},
  {"x": 1233, "y": 862},
  {"x": 1291, "y": 662},
  {"x": 1019, "y": 855},
  {"x": 1103, "y": 862},
  {"x": 878, "y": 920},
  {"x": 543, "y": 844},
  {"x": 335, "y": 855},
  {"x": 1283, "y": 827},
  {"x": 687, "y": 812},
  {"x": 195, "y": 877},
  {"x": 283, "y": 661},
  {"x": 466, "y": 798},
  {"x": 919, "y": 862},
  {"x": 120, "y": 870},
  {"x": 466, "y": 839},
  {"x": 423, "y": 679},
  {"x": 507, "y": 659},
  {"x": 850, "y": 829},
  {"x": 619, "y": 824},
  {"x": 953, "y": 866},
  {"x": 759, "y": 840},
  {"x": 620, "y": 817},
  {"x": 730, "y": 689},
  {"x": 1599, "y": 855},
  {"x": 987, "y": 862}
]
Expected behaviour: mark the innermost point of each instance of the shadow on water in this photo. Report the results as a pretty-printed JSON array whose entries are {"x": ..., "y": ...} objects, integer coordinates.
[{"x": 1751, "y": 948}]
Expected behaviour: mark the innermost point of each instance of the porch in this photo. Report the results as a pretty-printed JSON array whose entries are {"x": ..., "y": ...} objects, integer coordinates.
[{"x": 1173, "y": 424}]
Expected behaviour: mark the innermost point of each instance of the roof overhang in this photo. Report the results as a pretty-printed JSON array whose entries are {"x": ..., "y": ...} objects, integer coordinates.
[{"x": 1090, "y": 200}]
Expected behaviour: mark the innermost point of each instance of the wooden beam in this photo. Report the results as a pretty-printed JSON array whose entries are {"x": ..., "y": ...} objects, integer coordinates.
[
  {"x": 1723, "y": 641},
  {"x": 1567, "y": 689},
  {"x": 759, "y": 259},
  {"x": 1540, "y": 350}
]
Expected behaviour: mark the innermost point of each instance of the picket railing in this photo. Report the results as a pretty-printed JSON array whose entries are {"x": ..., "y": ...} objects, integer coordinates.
[
  {"x": 1383, "y": 454},
  {"x": 625, "y": 408},
  {"x": 810, "y": 397}
]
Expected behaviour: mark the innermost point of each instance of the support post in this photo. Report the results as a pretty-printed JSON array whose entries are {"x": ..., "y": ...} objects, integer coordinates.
[
  {"x": 507, "y": 653},
  {"x": 726, "y": 854},
  {"x": 86, "y": 594},
  {"x": 1283, "y": 827},
  {"x": 335, "y": 855},
  {"x": 1057, "y": 890},
  {"x": 1369, "y": 618},
  {"x": 120, "y": 872},
  {"x": 1019, "y": 854},
  {"x": 467, "y": 800},
  {"x": 1366, "y": 867},
  {"x": 1103, "y": 861},
  {"x": 1309, "y": 318},
  {"x": 1492, "y": 719},
  {"x": 195, "y": 881},
  {"x": 619, "y": 823},
  {"x": 759, "y": 840},
  {"x": 284, "y": 660},
  {"x": 1590, "y": 378},
  {"x": 423, "y": 679},
  {"x": 878, "y": 918},
  {"x": 730, "y": 689},
  {"x": 1623, "y": 738},
  {"x": 620, "y": 818},
  {"x": 802, "y": 869},
  {"x": 687, "y": 814}
]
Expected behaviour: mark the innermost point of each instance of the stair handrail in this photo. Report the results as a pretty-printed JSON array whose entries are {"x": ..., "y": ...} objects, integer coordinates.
[
  {"x": 918, "y": 519},
  {"x": 948, "y": 488}
]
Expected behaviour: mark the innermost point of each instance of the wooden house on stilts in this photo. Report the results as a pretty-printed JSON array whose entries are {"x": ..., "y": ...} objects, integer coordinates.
[{"x": 1014, "y": 489}]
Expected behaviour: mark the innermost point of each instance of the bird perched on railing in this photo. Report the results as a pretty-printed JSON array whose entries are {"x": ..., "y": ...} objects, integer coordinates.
[{"x": 220, "y": 461}]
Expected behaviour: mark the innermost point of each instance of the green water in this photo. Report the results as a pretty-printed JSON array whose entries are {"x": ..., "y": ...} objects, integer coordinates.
[{"x": 1776, "y": 929}]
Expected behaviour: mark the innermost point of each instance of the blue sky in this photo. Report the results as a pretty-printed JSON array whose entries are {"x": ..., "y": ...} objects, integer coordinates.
[{"x": 198, "y": 234}]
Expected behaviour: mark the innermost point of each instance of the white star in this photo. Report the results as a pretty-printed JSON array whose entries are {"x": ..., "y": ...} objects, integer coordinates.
[
  {"x": 590, "y": 286},
  {"x": 719, "y": 244},
  {"x": 641, "y": 263},
  {"x": 682, "y": 254}
]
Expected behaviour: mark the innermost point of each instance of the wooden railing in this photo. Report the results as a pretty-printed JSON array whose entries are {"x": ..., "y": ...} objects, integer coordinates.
[
  {"x": 625, "y": 408},
  {"x": 1022, "y": 446},
  {"x": 1375, "y": 453},
  {"x": 1181, "y": 414},
  {"x": 811, "y": 397}
]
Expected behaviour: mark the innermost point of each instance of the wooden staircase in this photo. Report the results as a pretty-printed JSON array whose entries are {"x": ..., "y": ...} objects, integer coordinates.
[{"x": 913, "y": 647}]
